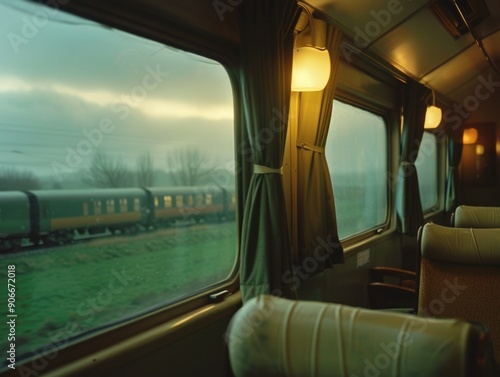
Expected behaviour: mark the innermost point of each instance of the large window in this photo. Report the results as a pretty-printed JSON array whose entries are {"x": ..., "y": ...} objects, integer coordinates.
[
  {"x": 357, "y": 155},
  {"x": 427, "y": 169},
  {"x": 90, "y": 117}
]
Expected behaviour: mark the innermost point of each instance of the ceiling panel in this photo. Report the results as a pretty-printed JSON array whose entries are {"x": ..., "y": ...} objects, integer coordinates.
[
  {"x": 372, "y": 18},
  {"x": 491, "y": 45},
  {"x": 420, "y": 49},
  {"x": 415, "y": 42},
  {"x": 451, "y": 75},
  {"x": 482, "y": 86},
  {"x": 492, "y": 23}
]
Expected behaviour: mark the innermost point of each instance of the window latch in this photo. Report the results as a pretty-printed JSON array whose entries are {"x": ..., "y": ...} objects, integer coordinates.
[{"x": 219, "y": 296}]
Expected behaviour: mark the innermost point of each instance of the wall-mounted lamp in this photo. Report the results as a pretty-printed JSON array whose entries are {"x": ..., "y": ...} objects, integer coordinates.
[
  {"x": 479, "y": 149},
  {"x": 311, "y": 64},
  {"x": 433, "y": 115},
  {"x": 470, "y": 136}
]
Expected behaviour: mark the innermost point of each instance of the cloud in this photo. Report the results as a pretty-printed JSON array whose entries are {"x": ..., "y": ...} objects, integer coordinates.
[
  {"x": 92, "y": 58},
  {"x": 73, "y": 73},
  {"x": 41, "y": 125}
]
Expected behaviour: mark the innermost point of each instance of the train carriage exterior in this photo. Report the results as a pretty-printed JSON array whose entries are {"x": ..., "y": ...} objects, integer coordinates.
[
  {"x": 165, "y": 171},
  {"x": 14, "y": 218},
  {"x": 229, "y": 202},
  {"x": 84, "y": 210},
  {"x": 186, "y": 203}
]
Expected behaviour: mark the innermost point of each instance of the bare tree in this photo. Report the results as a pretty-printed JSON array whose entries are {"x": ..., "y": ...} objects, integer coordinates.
[
  {"x": 145, "y": 169},
  {"x": 189, "y": 167},
  {"x": 106, "y": 171},
  {"x": 12, "y": 179}
]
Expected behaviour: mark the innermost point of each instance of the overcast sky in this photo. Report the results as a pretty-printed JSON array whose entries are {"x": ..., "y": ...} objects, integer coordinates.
[{"x": 61, "y": 75}]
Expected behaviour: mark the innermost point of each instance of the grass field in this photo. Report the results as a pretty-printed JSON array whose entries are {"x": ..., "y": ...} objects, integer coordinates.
[{"x": 72, "y": 289}]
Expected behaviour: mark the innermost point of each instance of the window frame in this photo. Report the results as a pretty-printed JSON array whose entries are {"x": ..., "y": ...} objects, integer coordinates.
[
  {"x": 86, "y": 344},
  {"x": 377, "y": 233}
]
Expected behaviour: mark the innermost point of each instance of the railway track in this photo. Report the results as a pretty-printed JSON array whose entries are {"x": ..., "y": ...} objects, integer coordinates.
[{"x": 104, "y": 238}]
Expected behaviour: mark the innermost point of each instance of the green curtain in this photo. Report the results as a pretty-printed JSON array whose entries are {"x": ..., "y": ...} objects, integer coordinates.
[
  {"x": 317, "y": 235},
  {"x": 408, "y": 204},
  {"x": 266, "y": 40},
  {"x": 409, "y": 211},
  {"x": 455, "y": 147}
]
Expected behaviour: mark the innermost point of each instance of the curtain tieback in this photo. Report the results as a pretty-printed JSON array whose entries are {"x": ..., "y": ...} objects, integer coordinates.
[
  {"x": 260, "y": 169},
  {"x": 310, "y": 147},
  {"x": 406, "y": 163}
]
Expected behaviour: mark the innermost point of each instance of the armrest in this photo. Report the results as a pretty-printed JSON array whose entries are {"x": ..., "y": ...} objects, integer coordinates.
[{"x": 377, "y": 273}]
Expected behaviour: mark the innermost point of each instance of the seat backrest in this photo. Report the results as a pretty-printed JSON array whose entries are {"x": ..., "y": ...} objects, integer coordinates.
[
  {"x": 271, "y": 336},
  {"x": 476, "y": 217},
  {"x": 460, "y": 276}
]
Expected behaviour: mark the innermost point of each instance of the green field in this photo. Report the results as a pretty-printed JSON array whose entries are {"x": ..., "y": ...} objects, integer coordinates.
[{"x": 72, "y": 289}]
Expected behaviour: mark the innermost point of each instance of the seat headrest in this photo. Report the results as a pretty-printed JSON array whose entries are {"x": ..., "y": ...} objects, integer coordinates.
[
  {"x": 271, "y": 336},
  {"x": 461, "y": 245},
  {"x": 477, "y": 217}
]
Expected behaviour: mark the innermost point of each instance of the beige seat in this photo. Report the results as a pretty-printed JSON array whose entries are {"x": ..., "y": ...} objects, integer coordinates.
[
  {"x": 476, "y": 217},
  {"x": 460, "y": 276},
  {"x": 271, "y": 336}
]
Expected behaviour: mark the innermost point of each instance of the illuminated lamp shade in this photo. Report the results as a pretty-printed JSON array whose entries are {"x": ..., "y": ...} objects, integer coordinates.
[
  {"x": 470, "y": 136},
  {"x": 433, "y": 117},
  {"x": 311, "y": 69}
]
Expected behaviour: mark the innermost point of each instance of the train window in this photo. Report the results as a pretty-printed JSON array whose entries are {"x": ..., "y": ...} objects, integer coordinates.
[
  {"x": 167, "y": 201},
  {"x": 113, "y": 117},
  {"x": 97, "y": 207},
  {"x": 356, "y": 151},
  {"x": 85, "y": 208},
  {"x": 208, "y": 199},
  {"x": 110, "y": 206},
  {"x": 190, "y": 200},
  {"x": 179, "y": 200},
  {"x": 199, "y": 200},
  {"x": 427, "y": 168},
  {"x": 123, "y": 205}
]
